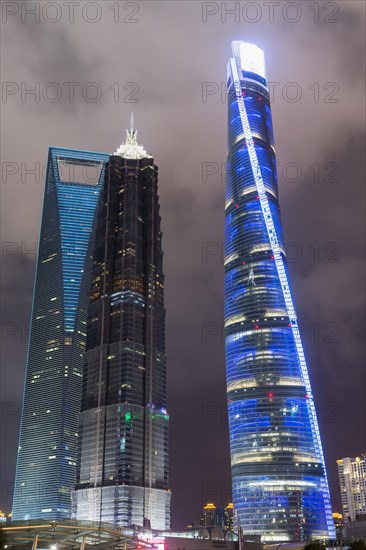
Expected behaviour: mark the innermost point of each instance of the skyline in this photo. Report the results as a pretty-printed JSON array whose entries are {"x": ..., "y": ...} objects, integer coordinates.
[{"x": 185, "y": 200}]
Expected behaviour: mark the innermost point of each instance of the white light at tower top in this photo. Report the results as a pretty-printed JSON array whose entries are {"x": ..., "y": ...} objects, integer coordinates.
[
  {"x": 131, "y": 149},
  {"x": 252, "y": 58}
]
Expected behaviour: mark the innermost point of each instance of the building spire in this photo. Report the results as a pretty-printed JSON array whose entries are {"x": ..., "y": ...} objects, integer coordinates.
[
  {"x": 131, "y": 123},
  {"x": 131, "y": 149}
]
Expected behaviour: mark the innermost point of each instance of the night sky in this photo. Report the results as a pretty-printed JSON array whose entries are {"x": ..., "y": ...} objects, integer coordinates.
[{"x": 162, "y": 57}]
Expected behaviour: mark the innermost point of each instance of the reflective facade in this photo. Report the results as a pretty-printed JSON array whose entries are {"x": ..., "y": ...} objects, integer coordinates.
[
  {"x": 46, "y": 464},
  {"x": 280, "y": 488},
  {"x": 122, "y": 465}
]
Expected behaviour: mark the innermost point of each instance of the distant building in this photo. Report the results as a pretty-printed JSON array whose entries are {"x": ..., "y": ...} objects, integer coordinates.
[
  {"x": 215, "y": 517},
  {"x": 352, "y": 480},
  {"x": 338, "y": 524},
  {"x": 224, "y": 517},
  {"x": 229, "y": 515},
  {"x": 209, "y": 515}
]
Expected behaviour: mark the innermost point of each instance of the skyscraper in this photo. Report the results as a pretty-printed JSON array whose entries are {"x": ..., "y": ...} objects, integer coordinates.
[
  {"x": 122, "y": 465},
  {"x": 45, "y": 472},
  {"x": 222, "y": 517},
  {"x": 209, "y": 515},
  {"x": 338, "y": 524},
  {"x": 352, "y": 481},
  {"x": 280, "y": 487}
]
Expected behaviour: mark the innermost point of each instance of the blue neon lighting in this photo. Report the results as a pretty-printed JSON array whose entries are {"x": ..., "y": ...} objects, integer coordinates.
[{"x": 272, "y": 420}]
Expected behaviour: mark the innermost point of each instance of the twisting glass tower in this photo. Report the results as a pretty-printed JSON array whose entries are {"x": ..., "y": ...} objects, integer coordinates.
[
  {"x": 280, "y": 487},
  {"x": 122, "y": 465},
  {"x": 45, "y": 473}
]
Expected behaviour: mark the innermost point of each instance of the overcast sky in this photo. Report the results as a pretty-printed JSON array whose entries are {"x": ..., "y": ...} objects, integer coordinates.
[{"x": 166, "y": 61}]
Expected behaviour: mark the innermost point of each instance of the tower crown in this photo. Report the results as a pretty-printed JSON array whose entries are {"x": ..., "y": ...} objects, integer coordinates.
[
  {"x": 131, "y": 149},
  {"x": 249, "y": 57}
]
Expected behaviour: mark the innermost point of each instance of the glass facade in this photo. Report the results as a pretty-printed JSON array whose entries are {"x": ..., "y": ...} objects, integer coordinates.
[
  {"x": 280, "y": 488},
  {"x": 122, "y": 464},
  {"x": 46, "y": 464}
]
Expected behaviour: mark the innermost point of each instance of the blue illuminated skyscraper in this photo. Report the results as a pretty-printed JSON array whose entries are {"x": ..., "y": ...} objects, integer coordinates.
[
  {"x": 46, "y": 463},
  {"x": 280, "y": 487}
]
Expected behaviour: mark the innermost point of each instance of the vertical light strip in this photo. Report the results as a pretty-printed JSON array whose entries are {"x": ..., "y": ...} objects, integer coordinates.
[{"x": 272, "y": 235}]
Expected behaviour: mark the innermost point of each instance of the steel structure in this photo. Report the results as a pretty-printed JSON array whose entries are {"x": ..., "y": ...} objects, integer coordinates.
[{"x": 83, "y": 535}]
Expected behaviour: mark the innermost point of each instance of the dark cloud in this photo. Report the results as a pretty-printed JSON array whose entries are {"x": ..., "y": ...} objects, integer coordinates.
[
  {"x": 48, "y": 53},
  {"x": 170, "y": 54}
]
